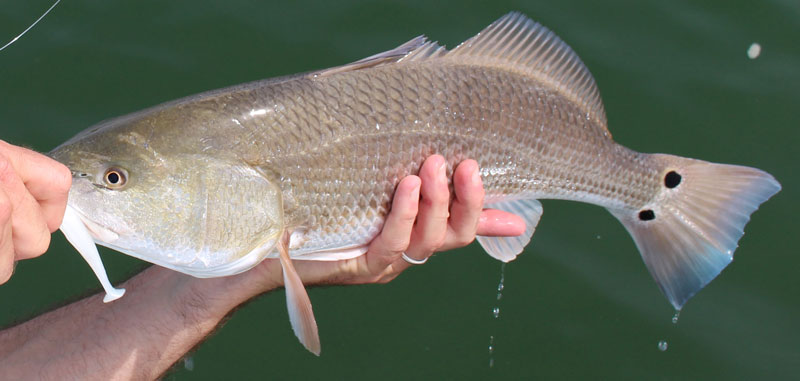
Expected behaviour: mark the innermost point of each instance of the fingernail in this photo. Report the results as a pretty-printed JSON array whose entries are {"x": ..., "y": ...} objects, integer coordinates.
[
  {"x": 443, "y": 169},
  {"x": 415, "y": 190},
  {"x": 476, "y": 177}
]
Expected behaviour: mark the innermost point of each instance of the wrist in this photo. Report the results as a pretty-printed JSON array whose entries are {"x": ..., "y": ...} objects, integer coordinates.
[{"x": 215, "y": 297}]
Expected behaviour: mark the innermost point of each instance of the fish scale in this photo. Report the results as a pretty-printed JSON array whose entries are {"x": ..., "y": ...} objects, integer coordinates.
[
  {"x": 305, "y": 166},
  {"x": 565, "y": 152}
]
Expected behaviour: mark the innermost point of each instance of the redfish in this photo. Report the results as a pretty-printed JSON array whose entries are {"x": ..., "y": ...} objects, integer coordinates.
[{"x": 304, "y": 167}]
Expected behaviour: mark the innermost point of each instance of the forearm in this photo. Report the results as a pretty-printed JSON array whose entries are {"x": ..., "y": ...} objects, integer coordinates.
[{"x": 163, "y": 315}]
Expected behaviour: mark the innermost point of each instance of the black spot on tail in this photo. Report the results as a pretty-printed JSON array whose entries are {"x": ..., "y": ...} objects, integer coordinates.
[
  {"x": 647, "y": 215},
  {"x": 672, "y": 179}
]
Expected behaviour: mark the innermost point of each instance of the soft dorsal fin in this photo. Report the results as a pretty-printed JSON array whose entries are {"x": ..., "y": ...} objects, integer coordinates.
[
  {"x": 517, "y": 43},
  {"x": 418, "y": 47}
]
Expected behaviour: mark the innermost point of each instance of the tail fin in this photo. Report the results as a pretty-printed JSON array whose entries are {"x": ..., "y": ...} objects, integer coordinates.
[{"x": 688, "y": 233}]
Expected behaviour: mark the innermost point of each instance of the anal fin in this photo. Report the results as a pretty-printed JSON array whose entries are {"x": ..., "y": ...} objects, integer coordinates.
[
  {"x": 506, "y": 249},
  {"x": 301, "y": 315}
]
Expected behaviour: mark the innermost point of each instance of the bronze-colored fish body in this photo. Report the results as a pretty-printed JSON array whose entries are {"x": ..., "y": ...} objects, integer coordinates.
[
  {"x": 213, "y": 180},
  {"x": 338, "y": 145}
]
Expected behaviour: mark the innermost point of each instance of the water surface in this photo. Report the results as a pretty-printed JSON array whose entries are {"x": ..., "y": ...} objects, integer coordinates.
[{"x": 675, "y": 77}]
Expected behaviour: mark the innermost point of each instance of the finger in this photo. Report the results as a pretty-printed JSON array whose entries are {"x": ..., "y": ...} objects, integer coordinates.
[
  {"x": 47, "y": 180},
  {"x": 394, "y": 238},
  {"x": 465, "y": 210},
  {"x": 498, "y": 223},
  {"x": 29, "y": 230},
  {"x": 430, "y": 230},
  {"x": 6, "y": 242}
]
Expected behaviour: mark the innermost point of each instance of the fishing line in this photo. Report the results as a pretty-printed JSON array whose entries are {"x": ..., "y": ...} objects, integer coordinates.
[{"x": 32, "y": 25}]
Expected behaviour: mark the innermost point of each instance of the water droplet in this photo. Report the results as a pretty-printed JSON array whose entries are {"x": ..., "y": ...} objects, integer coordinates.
[
  {"x": 662, "y": 345},
  {"x": 676, "y": 316},
  {"x": 188, "y": 363},
  {"x": 496, "y": 311},
  {"x": 491, "y": 351},
  {"x": 754, "y": 51},
  {"x": 598, "y": 236}
]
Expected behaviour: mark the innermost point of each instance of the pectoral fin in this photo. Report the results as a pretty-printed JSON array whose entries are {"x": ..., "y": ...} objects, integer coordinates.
[
  {"x": 301, "y": 315},
  {"x": 507, "y": 248}
]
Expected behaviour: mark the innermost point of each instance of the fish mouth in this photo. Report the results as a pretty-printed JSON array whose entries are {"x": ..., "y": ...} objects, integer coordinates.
[{"x": 99, "y": 233}]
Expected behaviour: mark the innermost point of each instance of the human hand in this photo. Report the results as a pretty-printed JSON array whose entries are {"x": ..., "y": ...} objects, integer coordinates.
[
  {"x": 420, "y": 226},
  {"x": 33, "y": 196}
]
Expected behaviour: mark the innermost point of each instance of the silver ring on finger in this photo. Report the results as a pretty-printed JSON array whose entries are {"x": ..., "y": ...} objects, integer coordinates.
[{"x": 414, "y": 261}]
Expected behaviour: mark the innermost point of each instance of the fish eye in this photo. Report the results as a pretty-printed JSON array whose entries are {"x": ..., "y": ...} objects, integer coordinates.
[{"x": 115, "y": 178}]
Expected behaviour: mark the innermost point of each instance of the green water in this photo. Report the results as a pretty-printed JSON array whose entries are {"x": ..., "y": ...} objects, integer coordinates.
[{"x": 579, "y": 303}]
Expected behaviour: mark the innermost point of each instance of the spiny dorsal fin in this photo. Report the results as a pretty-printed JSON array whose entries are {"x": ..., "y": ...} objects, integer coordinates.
[
  {"x": 517, "y": 43},
  {"x": 418, "y": 47}
]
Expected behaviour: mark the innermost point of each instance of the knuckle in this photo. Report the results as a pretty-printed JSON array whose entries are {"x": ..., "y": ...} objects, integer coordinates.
[
  {"x": 384, "y": 261},
  {"x": 5, "y": 209},
  {"x": 475, "y": 198},
  {"x": 471, "y": 198},
  {"x": 62, "y": 179},
  {"x": 407, "y": 216},
  {"x": 396, "y": 243},
  {"x": 437, "y": 197},
  {"x": 431, "y": 244},
  {"x": 6, "y": 171},
  {"x": 5, "y": 273},
  {"x": 44, "y": 243},
  {"x": 464, "y": 241},
  {"x": 386, "y": 278},
  {"x": 6, "y": 267},
  {"x": 34, "y": 249}
]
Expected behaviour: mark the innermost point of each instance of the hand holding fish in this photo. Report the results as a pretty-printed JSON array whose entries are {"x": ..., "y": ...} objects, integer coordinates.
[
  {"x": 432, "y": 228},
  {"x": 309, "y": 167},
  {"x": 167, "y": 313},
  {"x": 33, "y": 195}
]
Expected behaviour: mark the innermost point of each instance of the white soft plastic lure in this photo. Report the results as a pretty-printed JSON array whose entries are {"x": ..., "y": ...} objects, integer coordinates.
[{"x": 78, "y": 235}]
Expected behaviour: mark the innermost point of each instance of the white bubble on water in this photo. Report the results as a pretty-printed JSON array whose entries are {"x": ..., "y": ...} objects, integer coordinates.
[
  {"x": 754, "y": 50},
  {"x": 662, "y": 345}
]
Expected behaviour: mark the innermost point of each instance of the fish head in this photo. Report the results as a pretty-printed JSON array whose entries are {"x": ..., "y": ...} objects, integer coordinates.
[
  {"x": 202, "y": 214},
  {"x": 119, "y": 185}
]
